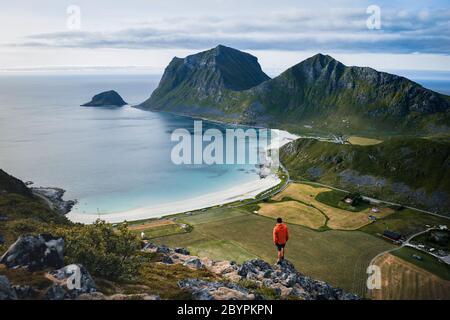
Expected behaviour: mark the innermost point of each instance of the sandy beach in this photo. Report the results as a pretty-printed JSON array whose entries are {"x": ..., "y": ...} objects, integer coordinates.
[{"x": 241, "y": 192}]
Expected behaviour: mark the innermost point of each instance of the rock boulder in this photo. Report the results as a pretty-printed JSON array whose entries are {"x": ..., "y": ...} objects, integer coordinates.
[
  {"x": 6, "y": 290},
  {"x": 70, "y": 282},
  {"x": 35, "y": 253}
]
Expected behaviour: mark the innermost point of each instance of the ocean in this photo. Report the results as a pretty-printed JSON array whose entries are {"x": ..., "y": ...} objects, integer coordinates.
[{"x": 109, "y": 159}]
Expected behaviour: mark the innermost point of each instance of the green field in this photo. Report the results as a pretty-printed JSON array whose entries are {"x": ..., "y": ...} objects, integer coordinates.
[
  {"x": 406, "y": 222},
  {"x": 334, "y": 198},
  {"x": 428, "y": 263},
  {"x": 338, "y": 257},
  {"x": 155, "y": 232}
]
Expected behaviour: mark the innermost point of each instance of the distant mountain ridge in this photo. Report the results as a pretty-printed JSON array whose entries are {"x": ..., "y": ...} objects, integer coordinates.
[{"x": 320, "y": 92}]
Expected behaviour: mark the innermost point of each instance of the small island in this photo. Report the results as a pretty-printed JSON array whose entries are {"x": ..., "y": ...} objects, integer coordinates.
[{"x": 108, "y": 98}]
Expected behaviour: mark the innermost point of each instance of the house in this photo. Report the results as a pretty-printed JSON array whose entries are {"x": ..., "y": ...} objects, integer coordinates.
[
  {"x": 352, "y": 199},
  {"x": 443, "y": 227},
  {"x": 348, "y": 200},
  {"x": 375, "y": 210},
  {"x": 392, "y": 235},
  {"x": 372, "y": 218}
]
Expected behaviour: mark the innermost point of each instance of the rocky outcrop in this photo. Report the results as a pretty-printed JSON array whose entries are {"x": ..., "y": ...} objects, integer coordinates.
[
  {"x": 35, "y": 253},
  {"x": 195, "y": 263},
  {"x": 215, "y": 290},
  {"x": 70, "y": 282},
  {"x": 6, "y": 290},
  {"x": 25, "y": 291},
  {"x": 284, "y": 280},
  {"x": 253, "y": 280},
  {"x": 119, "y": 296},
  {"x": 289, "y": 282},
  {"x": 55, "y": 196},
  {"x": 105, "y": 99}
]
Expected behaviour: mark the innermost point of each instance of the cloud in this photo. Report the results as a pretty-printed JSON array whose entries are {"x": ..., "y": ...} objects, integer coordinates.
[{"x": 425, "y": 31}]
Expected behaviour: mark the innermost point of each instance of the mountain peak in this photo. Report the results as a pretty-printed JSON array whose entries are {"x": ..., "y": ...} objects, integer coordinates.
[
  {"x": 321, "y": 56},
  {"x": 227, "y": 84},
  {"x": 320, "y": 60},
  {"x": 207, "y": 74}
]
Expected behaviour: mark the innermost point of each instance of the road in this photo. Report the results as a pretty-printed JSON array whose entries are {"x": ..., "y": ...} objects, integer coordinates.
[
  {"x": 49, "y": 203},
  {"x": 270, "y": 194}
]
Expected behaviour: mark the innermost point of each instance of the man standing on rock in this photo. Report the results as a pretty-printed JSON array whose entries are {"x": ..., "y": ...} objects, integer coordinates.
[{"x": 280, "y": 237}]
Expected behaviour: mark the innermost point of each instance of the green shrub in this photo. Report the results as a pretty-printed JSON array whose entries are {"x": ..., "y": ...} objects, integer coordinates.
[{"x": 106, "y": 252}]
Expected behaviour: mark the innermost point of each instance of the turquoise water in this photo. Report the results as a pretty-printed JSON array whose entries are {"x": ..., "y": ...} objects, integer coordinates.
[{"x": 109, "y": 159}]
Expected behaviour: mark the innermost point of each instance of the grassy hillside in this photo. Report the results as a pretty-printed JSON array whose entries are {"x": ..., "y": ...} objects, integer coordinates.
[
  {"x": 413, "y": 172},
  {"x": 337, "y": 257},
  {"x": 9, "y": 184}
]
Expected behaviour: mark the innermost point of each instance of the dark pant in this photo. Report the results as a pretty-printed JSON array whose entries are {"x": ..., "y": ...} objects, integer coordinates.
[{"x": 280, "y": 246}]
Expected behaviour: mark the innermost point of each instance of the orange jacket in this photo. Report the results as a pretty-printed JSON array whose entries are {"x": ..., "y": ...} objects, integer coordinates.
[{"x": 280, "y": 234}]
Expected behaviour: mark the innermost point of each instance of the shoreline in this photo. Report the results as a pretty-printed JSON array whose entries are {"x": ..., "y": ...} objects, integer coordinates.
[{"x": 244, "y": 191}]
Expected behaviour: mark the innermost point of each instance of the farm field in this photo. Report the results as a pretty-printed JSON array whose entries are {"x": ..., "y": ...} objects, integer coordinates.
[
  {"x": 404, "y": 280},
  {"x": 428, "y": 262},
  {"x": 157, "y": 228},
  {"x": 294, "y": 212},
  {"x": 327, "y": 242},
  {"x": 361, "y": 141},
  {"x": 339, "y": 219},
  {"x": 338, "y": 257}
]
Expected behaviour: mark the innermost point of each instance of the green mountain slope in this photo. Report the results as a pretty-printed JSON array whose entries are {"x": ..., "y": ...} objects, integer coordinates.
[
  {"x": 10, "y": 184},
  {"x": 320, "y": 93},
  {"x": 414, "y": 172}
]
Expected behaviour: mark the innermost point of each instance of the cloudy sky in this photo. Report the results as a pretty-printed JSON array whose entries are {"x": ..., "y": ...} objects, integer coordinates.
[{"x": 143, "y": 35}]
